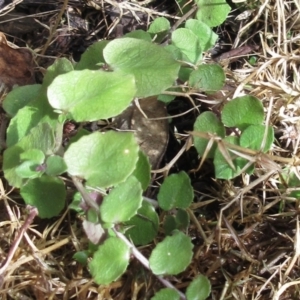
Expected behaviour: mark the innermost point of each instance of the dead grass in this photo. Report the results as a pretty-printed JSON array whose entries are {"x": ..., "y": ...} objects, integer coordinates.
[{"x": 254, "y": 255}]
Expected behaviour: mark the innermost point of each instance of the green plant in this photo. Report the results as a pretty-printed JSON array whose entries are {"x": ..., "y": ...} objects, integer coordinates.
[
  {"x": 244, "y": 115},
  {"x": 107, "y": 168}
]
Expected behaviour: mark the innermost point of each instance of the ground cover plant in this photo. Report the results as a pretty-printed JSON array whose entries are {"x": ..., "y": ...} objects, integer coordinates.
[{"x": 66, "y": 157}]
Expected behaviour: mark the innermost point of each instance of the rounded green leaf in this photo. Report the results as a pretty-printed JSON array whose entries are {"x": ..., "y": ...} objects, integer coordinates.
[
  {"x": 153, "y": 67},
  {"x": 40, "y": 137},
  {"x": 166, "y": 294},
  {"x": 37, "y": 111},
  {"x": 207, "y": 37},
  {"x": 207, "y": 122},
  {"x": 142, "y": 170},
  {"x": 103, "y": 159},
  {"x": 180, "y": 221},
  {"x": 34, "y": 155},
  {"x": 122, "y": 203},
  {"x": 208, "y": 78},
  {"x": 166, "y": 98},
  {"x": 172, "y": 255},
  {"x": 143, "y": 226},
  {"x": 159, "y": 29},
  {"x": 28, "y": 169},
  {"x": 169, "y": 224},
  {"x": 291, "y": 179},
  {"x": 91, "y": 95},
  {"x": 19, "y": 97},
  {"x": 252, "y": 137},
  {"x": 59, "y": 67},
  {"x": 175, "y": 192},
  {"x": 139, "y": 34},
  {"x": 242, "y": 112},
  {"x": 184, "y": 73},
  {"x": 81, "y": 257},
  {"x": 199, "y": 288},
  {"x": 110, "y": 261},
  {"x": 92, "y": 58},
  {"x": 222, "y": 169},
  {"x": 46, "y": 193},
  {"x": 31, "y": 160},
  {"x": 159, "y": 24},
  {"x": 55, "y": 165},
  {"x": 213, "y": 12},
  {"x": 189, "y": 44}
]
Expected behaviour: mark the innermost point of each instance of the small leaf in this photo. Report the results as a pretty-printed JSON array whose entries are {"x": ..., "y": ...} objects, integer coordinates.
[
  {"x": 159, "y": 24},
  {"x": 81, "y": 257},
  {"x": 166, "y": 98},
  {"x": 208, "y": 78},
  {"x": 291, "y": 179},
  {"x": 110, "y": 261},
  {"x": 37, "y": 111},
  {"x": 46, "y": 193},
  {"x": 20, "y": 97},
  {"x": 143, "y": 226},
  {"x": 169, "y": 224},
  {"x": 166, "y": 294},
  {"x": 31, "y": 159},
  {"x": 189, "y": 44},
  {"x": 55, "y": 165},
  {"x": 94, "y": 94},
  {"x": 139, "y": 34},
  {"x": 103, "y": 159},
  {"x": 59, "y": 67},
  {"x": 153, "y": 67},
  {"x": 222, "y": 168},
  {"x": 185, "y": 73},
  {"x": 122, "y": 203},
  {"x": 207, "y": 122},
  {"x": 199, "y": 288},
  {"x": 92, "y": 58},
  {"x": 175, "y": 192},
  {"x": 212, "y": 12},
  {"x": 40, "y": 137},
  {"x": 180, "y": 221},
  {"x": 159, "y": 28},
  {"x": 76, "y": 203},
  {"x": 172, "y": 255},
  {"x": 34, "y": 155},
  {"x": 28, "y": 169},
  {"x": 142, "y": 170},
  {"x": 184, "y": 6},
  {"x": 207, "y": 37},
  {"x": 252, "y": 137},
  {"x": 242, "y": 112}
]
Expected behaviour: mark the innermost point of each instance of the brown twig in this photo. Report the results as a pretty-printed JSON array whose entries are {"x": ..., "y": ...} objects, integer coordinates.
[{"x": 33, "y": 212}]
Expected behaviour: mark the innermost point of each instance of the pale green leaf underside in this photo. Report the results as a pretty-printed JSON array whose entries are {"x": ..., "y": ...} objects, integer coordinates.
[
  {"x": 153, "y": 67},
  {"x": 103, "y": 159},
  {"x": 122, "y": 203},
  {"x": 110, "y": 261}
]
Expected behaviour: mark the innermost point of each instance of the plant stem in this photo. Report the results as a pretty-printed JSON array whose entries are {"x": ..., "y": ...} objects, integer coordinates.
[
  {"x": 53, "y": 29},
  {"x": 33, "y": 212},
  {"x": 86, "y": 197}
]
